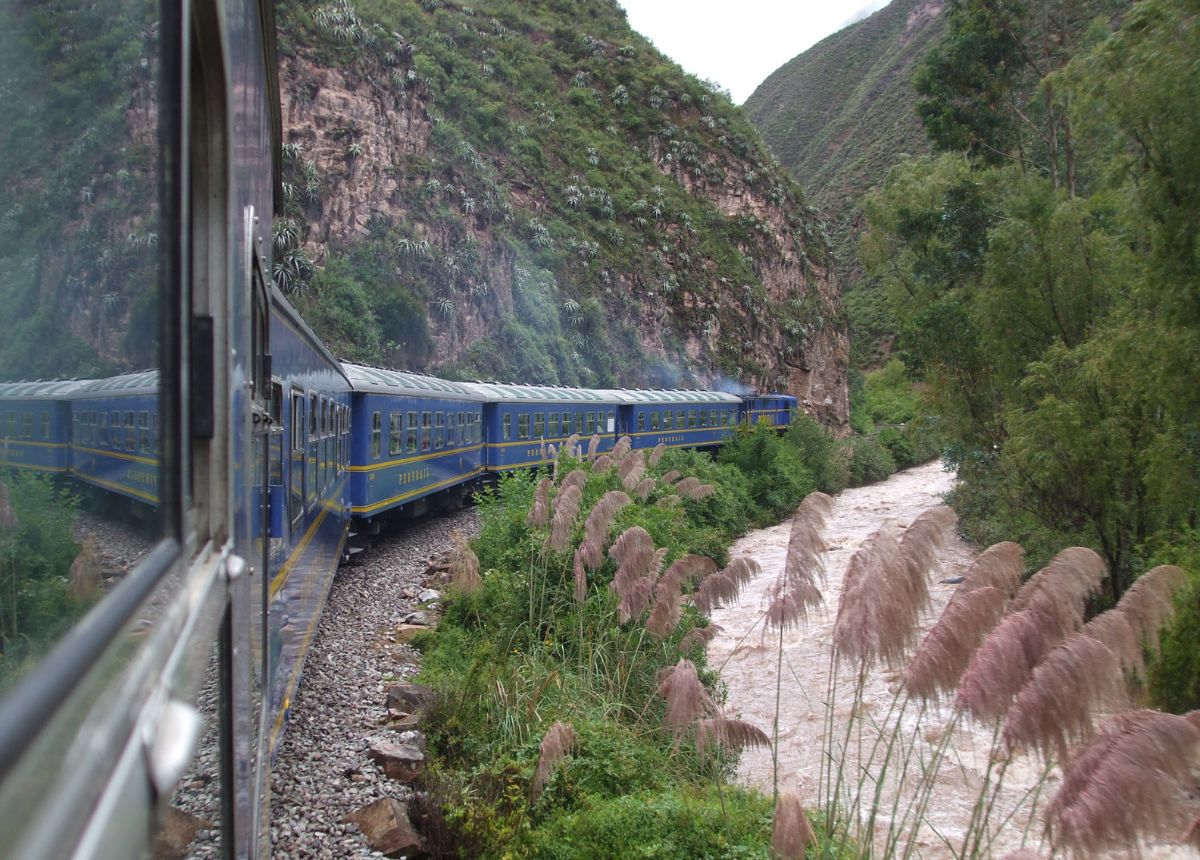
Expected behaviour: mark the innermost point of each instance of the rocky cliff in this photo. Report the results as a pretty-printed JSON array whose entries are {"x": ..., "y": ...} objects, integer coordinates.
[{"x": 531, "y": 191}]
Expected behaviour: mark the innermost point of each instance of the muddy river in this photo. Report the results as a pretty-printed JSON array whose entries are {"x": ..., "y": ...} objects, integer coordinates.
[{"x": 747, "y": 659}]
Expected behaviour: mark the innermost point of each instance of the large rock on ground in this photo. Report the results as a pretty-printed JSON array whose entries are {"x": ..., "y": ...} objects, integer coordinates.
[
  {"x": 401, "y": 762},
  {"x": 387, "y": 829},
  {"x": 409, "y": 698}
]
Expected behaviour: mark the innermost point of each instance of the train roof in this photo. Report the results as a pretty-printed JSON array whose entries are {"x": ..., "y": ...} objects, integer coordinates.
[
  {"x": 42, "y": 389},
  {"x": 504, "y": 392},
  {"x": 379, "y": 380},
  {"x": 141, "y": 382},
  {"x": 637, "y": 396}
]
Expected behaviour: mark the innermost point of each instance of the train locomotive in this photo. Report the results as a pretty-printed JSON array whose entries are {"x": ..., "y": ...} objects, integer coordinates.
[{"x": 255, "y": 457}]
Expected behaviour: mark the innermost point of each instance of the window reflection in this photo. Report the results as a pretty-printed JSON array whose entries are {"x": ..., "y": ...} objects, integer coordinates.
[{"x": 80, "y": 288}]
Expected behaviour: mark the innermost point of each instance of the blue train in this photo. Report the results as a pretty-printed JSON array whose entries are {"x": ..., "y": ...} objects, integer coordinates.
[
  {"x": 351, "y": 441},
  {"x": 251, "y": 453}
]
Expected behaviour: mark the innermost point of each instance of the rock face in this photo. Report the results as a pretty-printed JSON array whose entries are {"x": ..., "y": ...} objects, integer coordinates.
[{"x": 675, "y": 252}]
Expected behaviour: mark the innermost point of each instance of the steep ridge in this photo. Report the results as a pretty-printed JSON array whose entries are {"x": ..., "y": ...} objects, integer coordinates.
[
  {"x": 842, "y": 113},
  {"x": 529, "y": 190}
]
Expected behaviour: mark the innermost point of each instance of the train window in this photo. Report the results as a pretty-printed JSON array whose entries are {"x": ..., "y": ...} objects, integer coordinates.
[
  {"x": 44, "y": 430},
  {"x": 144, "y": 432},
  {"x": 539, "y": 425},
  {"x": 691, "y": 418},
  {"x": 654, "y": 420},
  {"x": 680, "y": 419},
  {"x": 553, "y": 429},
  {"x": 412, "y": 433},
  {"x": 376, "y": 434},
  {"x": 101, "y": 438},
  {"x": 130, "y": 432},
  {"x": 566, "y": 423},
  {"x": 612, "y": 422},
  {"x": 641, "y": 422},
  {"x": 579, "y": 423},
  {"x": 27, "y": 425},
  {"x": 667, "y": 420},
  {"x": 589, "y": 423},
  {"x": 523, "y": 426},
  {"x": 114, "y": 430},
  {"x": 712, "y": 418},
  {"x": 439, "y": 429},
  {"x": 396, "y": 433},
  {"x": 313, "y": 414},
  {"x": 507, "y": 426},
  {"x": 426, "y": 430}
]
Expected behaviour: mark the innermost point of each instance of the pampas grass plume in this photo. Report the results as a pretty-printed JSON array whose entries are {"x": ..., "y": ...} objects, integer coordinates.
[
  {"x": 670, "y": 478},
  {"x": 657, "y": 453},
  {"x": 686, "y": 697},
  {"x": 698, "y": 637},
  {"x": 556, "y": 743},
  {"x": 724, "y": 586},
  {"x": 593, "y": 446},
  {"x": 1056, "y": 704},
  {"x": 730, "y": 735},
  {"x": 1123, "y": 785},
  {"x": 85, "y": 572},
  {"x": 1150, "y": 601},
  {"x": 946, "y": 650},
  {"x": 566, "y": 509},
  {"x": 1000, "y": 666},
  {"x": 999, "y": 566},
  {"x": 539, "y": 513},
  {"x": 790, "y": 831}
]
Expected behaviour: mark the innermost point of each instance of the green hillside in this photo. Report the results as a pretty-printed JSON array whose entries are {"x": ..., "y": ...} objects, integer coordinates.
[{"x": 841, "y": 114}]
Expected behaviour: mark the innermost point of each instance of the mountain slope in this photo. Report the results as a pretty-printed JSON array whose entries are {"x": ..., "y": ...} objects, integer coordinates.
[
  {"x": 529, "y": 190},
  {"x": 841, "y": 114}
]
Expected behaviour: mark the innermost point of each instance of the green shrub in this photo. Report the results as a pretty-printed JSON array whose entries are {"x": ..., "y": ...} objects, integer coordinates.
[
  {"x": 777, "y": 474},
  {"x": 821, "y": 453},
  {"x": 682, "y": 824},
  {"x": 869, "y": 461},
  {"x": 1174, "y": 676}
]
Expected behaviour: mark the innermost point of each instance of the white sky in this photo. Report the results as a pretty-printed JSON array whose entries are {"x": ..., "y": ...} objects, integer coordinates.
[{"x": 737, "y": 43}]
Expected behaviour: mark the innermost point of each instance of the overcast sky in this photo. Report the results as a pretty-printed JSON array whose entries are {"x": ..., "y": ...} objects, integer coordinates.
[{"x": 737, "y": 43}]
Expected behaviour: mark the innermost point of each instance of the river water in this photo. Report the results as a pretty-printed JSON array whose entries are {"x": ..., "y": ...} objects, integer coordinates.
[{"x": 747, "y": 660}]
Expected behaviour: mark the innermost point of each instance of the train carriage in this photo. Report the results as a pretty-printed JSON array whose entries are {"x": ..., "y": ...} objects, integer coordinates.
[
  {"x": 416, "y": 442},
  {"x": 677, "y": 418},
  {"x": 522, "y": 422},
  {"x": 775, "y": 410},
  {"x": 116, "y": 428},
  {"x": 35, "y": 425}
]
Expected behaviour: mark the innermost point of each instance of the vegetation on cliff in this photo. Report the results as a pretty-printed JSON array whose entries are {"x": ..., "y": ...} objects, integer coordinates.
[{"x": 568, "y": 207}]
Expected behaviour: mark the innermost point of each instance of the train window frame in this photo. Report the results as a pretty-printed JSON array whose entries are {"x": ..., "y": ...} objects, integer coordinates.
[
  {"x": 439, "y": 430},
  {"x": 566, "y": 424},
  {"x": 641, "y": 422},
  {"x": 44, "y": 430},
  {"x": 411, "y": 433},
  {"x": 552, "y": 429},
  {"x": 539, "y": 425},
  {"x": 395, "y": 433},
  {"x": 130, "y": 431},
  {"x": 376, "y": 435},
  {"x": 507, "y": 424},
  {"x": 26, "y": 425},
  {"x": 313, "y": 411},
  {"x": 523, "y": 426},
  {"x": 589, "y": 423},
  {"x": 426, "y": 430}
]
